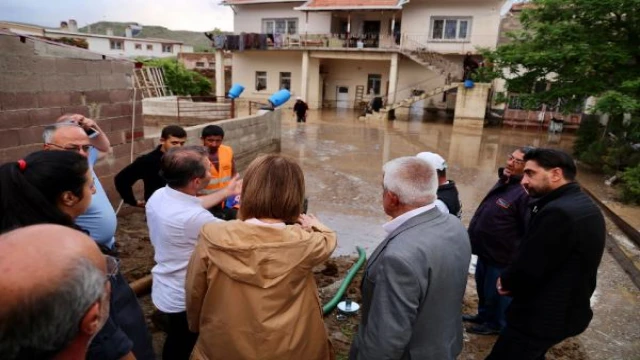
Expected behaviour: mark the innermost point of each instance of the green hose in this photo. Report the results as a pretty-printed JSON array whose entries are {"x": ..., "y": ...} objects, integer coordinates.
[{"x": 328, "y": 307}]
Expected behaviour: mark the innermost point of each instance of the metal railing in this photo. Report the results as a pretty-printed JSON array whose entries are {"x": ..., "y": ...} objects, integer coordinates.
[
  {"x": 204, "y": 106},
  {"x": 324, "y": 40}
]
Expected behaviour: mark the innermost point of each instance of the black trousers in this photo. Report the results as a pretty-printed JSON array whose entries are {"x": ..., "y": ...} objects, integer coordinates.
[
  {"x": 180, "y": 341},
  {"x": 514, "y": 345}
]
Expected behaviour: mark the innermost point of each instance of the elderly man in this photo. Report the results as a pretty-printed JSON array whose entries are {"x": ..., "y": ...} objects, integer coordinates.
[
  {"x": 175, "y": 216},
  {"x": 554, "y": 272},
  {"x": 495, "y": 231},
  {"x": 54, "y": 293},
  {"x": 125, "y": 334},
  {"x": 448, "y": 198},
  {"x": 414, "y": 281}
]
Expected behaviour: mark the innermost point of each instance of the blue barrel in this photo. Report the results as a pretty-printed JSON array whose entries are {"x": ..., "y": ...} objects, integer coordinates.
[
  {"x": 280, "y": 97},
  {"x": 235, "y": 91},
  {"x": 468, "y": 83}
]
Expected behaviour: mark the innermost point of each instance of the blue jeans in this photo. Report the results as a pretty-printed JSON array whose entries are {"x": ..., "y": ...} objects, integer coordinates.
[{"x": 492, "y": 307}]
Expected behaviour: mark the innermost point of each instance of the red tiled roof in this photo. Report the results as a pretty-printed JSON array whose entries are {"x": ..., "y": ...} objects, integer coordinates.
[{"x": 241, "y": 2}]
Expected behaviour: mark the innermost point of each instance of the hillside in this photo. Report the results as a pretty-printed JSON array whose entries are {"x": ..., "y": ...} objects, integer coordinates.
[{"x": 196, "y": 39}]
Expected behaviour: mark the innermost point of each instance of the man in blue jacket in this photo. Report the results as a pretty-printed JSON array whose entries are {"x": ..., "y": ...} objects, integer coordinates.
[
  {"x": 496, "y": 229},
  {"x": 553, "y": 275}
]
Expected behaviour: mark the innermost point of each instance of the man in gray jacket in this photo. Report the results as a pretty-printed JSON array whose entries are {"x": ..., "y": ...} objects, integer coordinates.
[{"x": 414, "y": 281}]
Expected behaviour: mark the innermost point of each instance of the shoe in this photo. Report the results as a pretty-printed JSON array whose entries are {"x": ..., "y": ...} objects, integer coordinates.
[
  {"x": 476, "y": 319},
  {"x": 483, "y": 329}
]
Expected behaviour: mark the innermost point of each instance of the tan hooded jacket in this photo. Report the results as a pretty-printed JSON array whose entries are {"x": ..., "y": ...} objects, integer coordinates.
[{"x": 251, "y": 293}]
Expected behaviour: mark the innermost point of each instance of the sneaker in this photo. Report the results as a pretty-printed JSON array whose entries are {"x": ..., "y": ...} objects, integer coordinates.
[
  {"x": 476, "y": 319},
  {"x": 483, "y": 329}
]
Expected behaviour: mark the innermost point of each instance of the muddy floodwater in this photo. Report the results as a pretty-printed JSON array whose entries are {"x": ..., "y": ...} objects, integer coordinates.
[{"x": 342, "y": 156}]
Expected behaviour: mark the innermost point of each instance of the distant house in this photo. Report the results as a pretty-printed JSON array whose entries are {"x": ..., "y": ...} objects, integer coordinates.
[
  {"x": 202, "y": 60},
  {"x": 107, "y": 44},
  {"x": 339, "y": 53}
]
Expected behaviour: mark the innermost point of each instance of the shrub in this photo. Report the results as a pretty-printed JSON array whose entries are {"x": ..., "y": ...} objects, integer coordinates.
[
  {"x": 180, "y": 80},
  {"x": 631, "y": 185}
]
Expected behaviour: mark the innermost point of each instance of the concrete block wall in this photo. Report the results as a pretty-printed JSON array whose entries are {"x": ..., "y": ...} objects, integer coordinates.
[
  {"x": 162, "y": 111},
  {"x": 41, "y": 81}
]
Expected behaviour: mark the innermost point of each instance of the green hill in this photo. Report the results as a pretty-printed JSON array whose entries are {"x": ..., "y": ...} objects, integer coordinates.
[{"x": 196, "y": 39}]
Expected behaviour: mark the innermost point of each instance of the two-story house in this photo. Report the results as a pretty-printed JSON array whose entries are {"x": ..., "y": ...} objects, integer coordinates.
[{"x": 337, "y": 52}]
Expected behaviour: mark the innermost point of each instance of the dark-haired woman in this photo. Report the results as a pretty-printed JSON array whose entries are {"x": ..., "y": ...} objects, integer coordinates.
[{"x": 56, "y": 187}]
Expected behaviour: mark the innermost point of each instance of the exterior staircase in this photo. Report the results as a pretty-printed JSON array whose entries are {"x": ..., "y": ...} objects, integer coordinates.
[{"x": 415, "y": 98}]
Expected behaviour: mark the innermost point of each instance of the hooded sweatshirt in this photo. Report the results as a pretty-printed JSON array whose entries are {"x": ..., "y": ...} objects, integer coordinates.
[{"x": 251, "y": 293}]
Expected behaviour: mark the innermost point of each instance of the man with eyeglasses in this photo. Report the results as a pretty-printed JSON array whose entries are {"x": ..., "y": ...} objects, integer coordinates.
[
  {"x": 55, "y": 296},
  {"x": 125, "y": 336},
  {"x": 496, "y": 229}
]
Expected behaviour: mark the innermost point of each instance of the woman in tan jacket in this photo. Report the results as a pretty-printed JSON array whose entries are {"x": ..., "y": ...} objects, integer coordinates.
[{"x": 250, "y": 288}]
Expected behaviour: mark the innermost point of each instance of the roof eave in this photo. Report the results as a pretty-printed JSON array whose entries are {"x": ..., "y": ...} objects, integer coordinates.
[{"x": 334, "y": 8}]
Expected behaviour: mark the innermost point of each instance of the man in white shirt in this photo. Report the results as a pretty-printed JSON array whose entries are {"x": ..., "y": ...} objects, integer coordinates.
[
  {"x": 414, "y": 282},
  {"x": 175, "y": 216}
]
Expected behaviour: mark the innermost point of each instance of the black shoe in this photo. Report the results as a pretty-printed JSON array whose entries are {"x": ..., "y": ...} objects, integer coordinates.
[
  {"x": 476, "y": 319},
  {"x": 483, "y": 330}
]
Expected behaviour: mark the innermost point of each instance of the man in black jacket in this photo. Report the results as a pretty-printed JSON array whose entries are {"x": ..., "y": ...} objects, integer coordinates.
[
  {"x": 448, "y": 200},
  {"x": 147, "y": 167},
  {"x": 554, "y": 272},
  {"x": 496, "y": 229}
]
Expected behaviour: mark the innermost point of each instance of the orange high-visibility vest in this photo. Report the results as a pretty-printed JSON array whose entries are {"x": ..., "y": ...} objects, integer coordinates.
[{"x": 220, "y": 177}]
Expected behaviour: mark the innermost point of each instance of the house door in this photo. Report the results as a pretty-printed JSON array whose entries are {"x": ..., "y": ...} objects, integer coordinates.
[
  {"x": 342, "y": 97},
  {"x": 371, "y": 32}
]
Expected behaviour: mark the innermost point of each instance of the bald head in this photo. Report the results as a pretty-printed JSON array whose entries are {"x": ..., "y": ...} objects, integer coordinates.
[{"x": 51, "y": 277}]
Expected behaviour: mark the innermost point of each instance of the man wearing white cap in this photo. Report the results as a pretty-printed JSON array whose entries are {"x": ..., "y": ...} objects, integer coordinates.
[
  {"x": 300, "y": 109},
  {"x": 448, "y": 200}
]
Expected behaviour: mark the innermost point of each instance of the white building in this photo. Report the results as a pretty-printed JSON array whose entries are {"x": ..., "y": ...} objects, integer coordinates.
[
  {"x": 107, "y": 44},
  {"x": 335, "y": 52}
]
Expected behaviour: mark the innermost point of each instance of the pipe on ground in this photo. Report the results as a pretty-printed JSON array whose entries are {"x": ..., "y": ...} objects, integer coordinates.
[{"x": 328, "y": 307}]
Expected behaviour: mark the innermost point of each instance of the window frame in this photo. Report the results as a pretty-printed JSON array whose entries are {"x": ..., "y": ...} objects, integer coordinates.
[
  {"x": 112, "y": 43},
  {"x": 443, "y": 31},
  {"x": 283, "y": 76},
  {"x": 149, "y": 47},
  {"x": 274, "y": 27},
  {"x": 258, "y": 76},
  {"x": 371, "y": 84},
  {"x": 200, "y": 64},
  {"x": 138, "y": 47},
  {"x": 167, "y": 46}
]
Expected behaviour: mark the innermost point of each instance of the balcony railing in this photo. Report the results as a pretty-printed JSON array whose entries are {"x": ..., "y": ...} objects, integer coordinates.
[{"x": 294, "y": 41}]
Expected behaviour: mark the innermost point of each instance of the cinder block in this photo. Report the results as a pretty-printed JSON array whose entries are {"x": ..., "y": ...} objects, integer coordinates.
[
  {"x": 120, "y": 123},
  {"x": 99, "y": 67},
  {"x": 138, "y": 133},
  {"x": 110, "y": 111},
  {"x": 122, "y": 66},
  {"x": 86, "y": 82},
  {"x": 30, "y": 135},
  {"x": 11, "y": 44},
  {"x": 97, "y": 96},
  {"x": 121, "y": 150},
  {"x": 117, "y": 137},
  {"x": 77, "y": 98},
  {"x": 71, "y": 66},
  {"x": 57, "y": 83},
  {"x": 54, "y": 98},
  {"x": 14, "y": 119},
  {"x": 20, "y": 100},
  {"x": 114, "y": 81},
  {"x": 19, "y": 152},
  {"x": 120, "y": 95},
  {"x": 82, "y": 110},
  {"x": 9, "y": 138},
  {"x": 18, "y": 82},
  {"x": 42, "y": 117}
]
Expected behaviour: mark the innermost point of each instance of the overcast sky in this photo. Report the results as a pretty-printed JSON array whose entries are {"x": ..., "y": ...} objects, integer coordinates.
[{"x": 196, "y": 15}]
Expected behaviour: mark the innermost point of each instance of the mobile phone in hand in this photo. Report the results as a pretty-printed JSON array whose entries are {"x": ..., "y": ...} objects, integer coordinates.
[{"x": 91, "y": 133}]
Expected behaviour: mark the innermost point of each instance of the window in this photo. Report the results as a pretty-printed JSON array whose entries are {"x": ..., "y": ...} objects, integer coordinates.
[
  {"x": 450, "y": 28},
  {"x": 374, "y": 82},
  {"x": 138, "y": 46},
  {"x": 261, "y": 80},
  {"x": 167, "y": 48},
  {"x": 285, "y": 80},
  {"x": 280, "y": 26},
  {"x": 150, "y": 47},
  {"x": 199, "y": 64},
  {"x": 116, "y": 44}
]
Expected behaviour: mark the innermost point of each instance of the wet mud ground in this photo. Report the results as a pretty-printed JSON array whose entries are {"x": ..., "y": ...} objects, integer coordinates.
[{"x": 342, "y": 158}]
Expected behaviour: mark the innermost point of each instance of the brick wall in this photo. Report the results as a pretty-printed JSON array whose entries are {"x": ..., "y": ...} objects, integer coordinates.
[{"x": 40, "y": 81}]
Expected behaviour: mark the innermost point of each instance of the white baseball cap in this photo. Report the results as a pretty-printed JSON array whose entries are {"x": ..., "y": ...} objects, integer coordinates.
[{"x": 434, "y": 159}]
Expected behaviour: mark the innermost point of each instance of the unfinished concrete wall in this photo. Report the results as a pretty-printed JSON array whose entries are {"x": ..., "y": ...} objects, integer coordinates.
[
  {"x": 40, "y": 81},
  {"x": 471, "y": 103},
  {"x": 171, "y": 110}
]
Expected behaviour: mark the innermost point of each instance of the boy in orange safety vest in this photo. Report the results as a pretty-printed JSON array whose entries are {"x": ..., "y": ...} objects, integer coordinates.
[{"x": 223, "y": 168}]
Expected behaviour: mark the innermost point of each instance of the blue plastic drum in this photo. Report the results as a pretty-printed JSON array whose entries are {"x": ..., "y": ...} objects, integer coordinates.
[
  {"x": 468, "y": 84},
  {"x": 280, "y": 97},
  {"x": 235, "y": 91}
]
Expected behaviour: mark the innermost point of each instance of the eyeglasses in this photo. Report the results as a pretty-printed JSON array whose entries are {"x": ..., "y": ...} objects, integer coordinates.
[
  {"x": 113, "y": 264},
  {"x": 515, "y": 160},
  {"x": 74, "y": 148}
]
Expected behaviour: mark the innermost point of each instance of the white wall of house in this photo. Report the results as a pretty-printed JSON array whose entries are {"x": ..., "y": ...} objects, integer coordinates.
[
  {"x": 352, "y": 73},
  {"x": 415, "y": 76},
  {"x": 249, "y": 18},
  {"x": 418, "y": 16},
  {"x": 247, "y": 63}
]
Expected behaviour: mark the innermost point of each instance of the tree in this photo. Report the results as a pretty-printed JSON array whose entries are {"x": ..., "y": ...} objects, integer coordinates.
[
  {"x": 583, "y": 48},
  {"x": 180, "y": 80}
]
